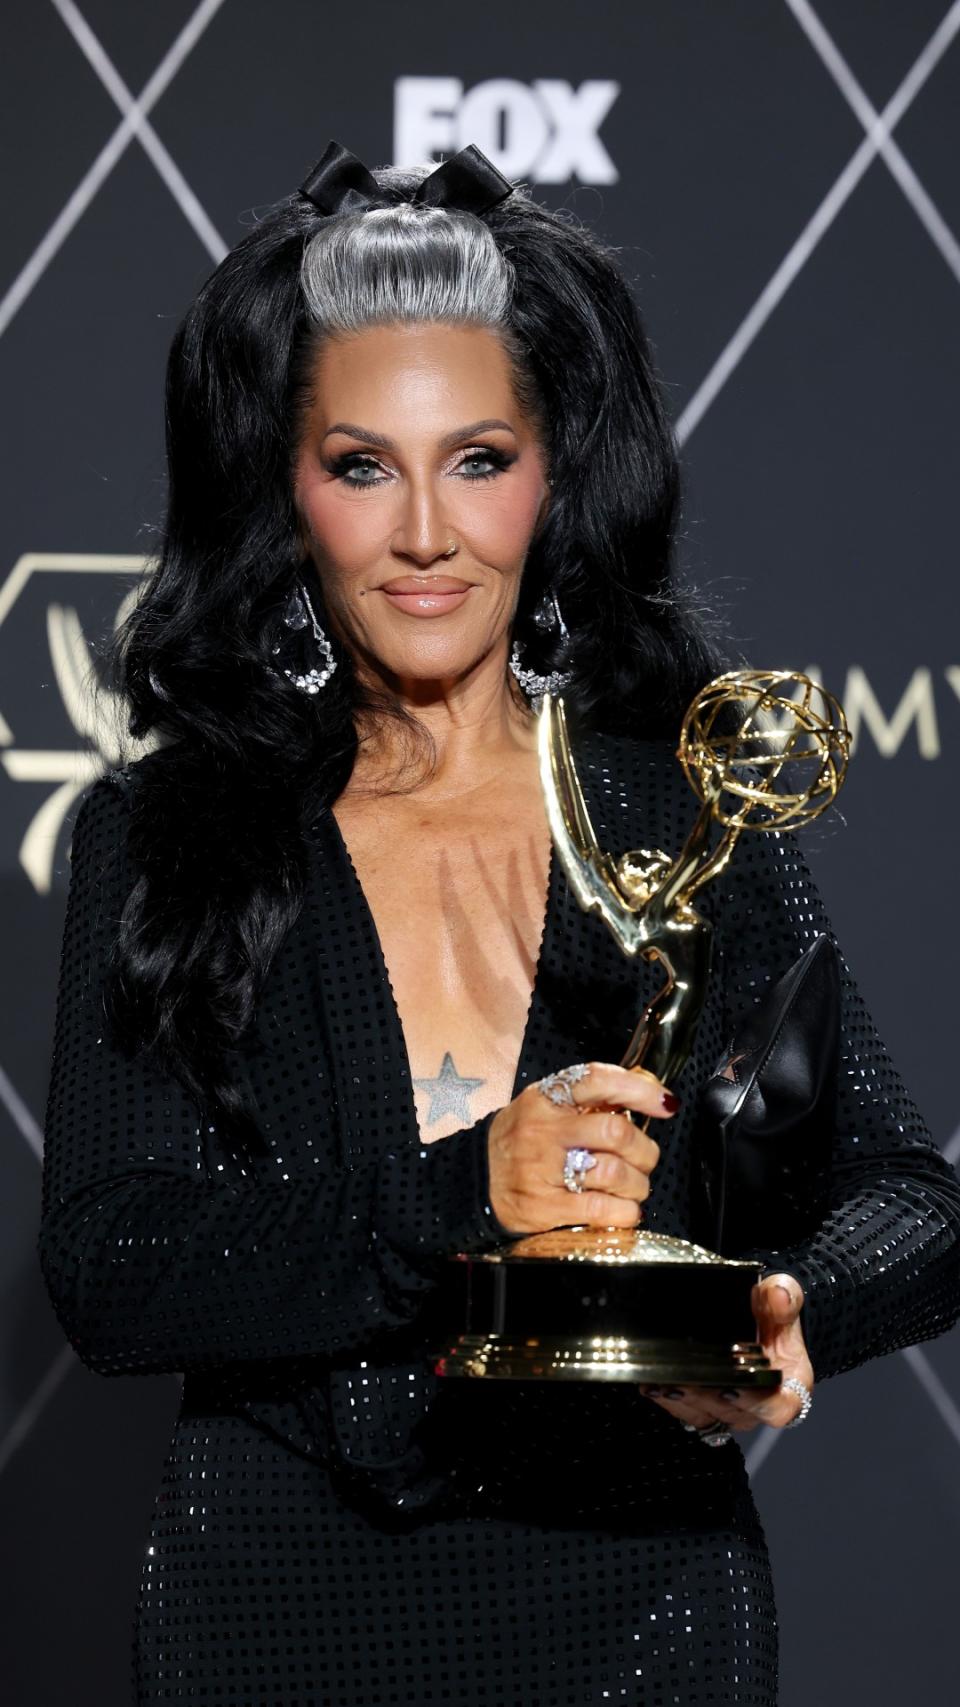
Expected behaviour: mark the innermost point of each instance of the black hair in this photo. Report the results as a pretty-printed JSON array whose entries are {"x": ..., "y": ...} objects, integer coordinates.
[{"x": 244, "y": 761}]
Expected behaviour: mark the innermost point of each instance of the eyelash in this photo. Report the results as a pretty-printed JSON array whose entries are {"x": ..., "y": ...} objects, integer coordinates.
[{"x": 360, "y": 459}]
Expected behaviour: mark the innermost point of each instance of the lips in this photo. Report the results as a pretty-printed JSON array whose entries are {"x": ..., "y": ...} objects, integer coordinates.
[
  {"x": 425, "y": 583},
  {"x": 419, "y": 595}
]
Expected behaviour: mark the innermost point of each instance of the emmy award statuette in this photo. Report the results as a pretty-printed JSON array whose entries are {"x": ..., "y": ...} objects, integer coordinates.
[{"x": 616, "y": 1304}]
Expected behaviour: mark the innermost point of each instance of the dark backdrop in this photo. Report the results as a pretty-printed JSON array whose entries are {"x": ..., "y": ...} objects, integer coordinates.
[{"x": 782, "y": 182}]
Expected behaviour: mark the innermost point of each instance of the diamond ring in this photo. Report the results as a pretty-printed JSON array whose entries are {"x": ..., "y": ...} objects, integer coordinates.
[
  {"x": 577, "y": 1163},
  {"x": 556, "y": 1087},
  {"x": 715, "y": 1434}
]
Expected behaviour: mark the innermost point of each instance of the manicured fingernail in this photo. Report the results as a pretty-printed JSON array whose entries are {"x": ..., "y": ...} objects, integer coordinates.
[
  {"x": 653, "y": 1392},
  {"x": 674, "y": 1393},
  {"x": 671, "y": 1101},
  {"x": 730, "y": 1393}
]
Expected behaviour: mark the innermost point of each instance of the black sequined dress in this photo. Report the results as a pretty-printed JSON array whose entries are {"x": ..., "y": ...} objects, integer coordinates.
[{"x": 333, "y": 1523}]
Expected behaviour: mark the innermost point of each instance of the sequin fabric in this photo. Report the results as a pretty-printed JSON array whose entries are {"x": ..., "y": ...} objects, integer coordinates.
[{"x": 333, "y": 1523}]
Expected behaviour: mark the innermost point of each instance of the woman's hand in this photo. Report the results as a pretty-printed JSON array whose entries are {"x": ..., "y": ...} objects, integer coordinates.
[
  {"x": 529, "y": 1139},
  {"x": 777, "y": 1301}
]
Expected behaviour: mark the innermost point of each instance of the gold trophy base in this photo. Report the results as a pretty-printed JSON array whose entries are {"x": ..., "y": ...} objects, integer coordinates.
[
  {"x": 607, "y": 1304},
  {"x": 652, "y": 1362}
]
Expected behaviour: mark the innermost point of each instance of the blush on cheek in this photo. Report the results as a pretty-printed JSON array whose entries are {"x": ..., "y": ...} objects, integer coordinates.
[
  {"x": 500, "y": 526},
  {"x": 337, "y": 528}
]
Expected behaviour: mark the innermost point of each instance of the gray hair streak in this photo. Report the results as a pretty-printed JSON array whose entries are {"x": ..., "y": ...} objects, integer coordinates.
[{"x": 404, "y": 263}]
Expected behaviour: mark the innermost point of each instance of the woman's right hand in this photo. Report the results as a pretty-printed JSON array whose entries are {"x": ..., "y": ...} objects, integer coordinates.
[{"x": 528, "y": 1141}]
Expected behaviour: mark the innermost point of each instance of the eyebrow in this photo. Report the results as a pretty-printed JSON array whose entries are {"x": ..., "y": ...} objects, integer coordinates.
[{"x": 446, "y": 442}]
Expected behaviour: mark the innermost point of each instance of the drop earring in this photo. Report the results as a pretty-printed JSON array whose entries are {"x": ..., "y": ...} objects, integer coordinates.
[
  {"x": 297, "y": 612},
  {"x": 548, "y": 618}
]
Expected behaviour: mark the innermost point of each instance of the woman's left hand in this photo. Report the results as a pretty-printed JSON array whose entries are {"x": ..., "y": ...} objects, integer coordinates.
[{"x": 777, "y": 1302}]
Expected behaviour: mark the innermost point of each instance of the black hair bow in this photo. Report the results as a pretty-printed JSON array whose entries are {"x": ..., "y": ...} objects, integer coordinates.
[{"x": 340, "y": 183}]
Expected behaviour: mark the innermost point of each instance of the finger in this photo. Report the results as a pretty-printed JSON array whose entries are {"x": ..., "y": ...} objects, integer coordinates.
[
  {"x": 612, "y": 1176},
  {"x": 616, "y": 1133},
  {"x": 779, "y": 1299},
  {"x": 738, "y": 1410},
  {"x": 686, "y": 1409},
  {"x": 701, "y": 1406},
  {"x": 775, "y": 1411},
  {"x": 623, "y": 1087},
  {"x": 601, "y": 1209},
  {"x": 745, "y": 1410}
]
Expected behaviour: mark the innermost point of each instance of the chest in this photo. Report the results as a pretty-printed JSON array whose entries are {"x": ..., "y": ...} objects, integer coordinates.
[{"x": 458, "y": 900}]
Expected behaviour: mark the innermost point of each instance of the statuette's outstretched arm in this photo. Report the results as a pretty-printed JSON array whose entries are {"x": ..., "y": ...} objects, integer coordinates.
[
  {"x": 591, "y": 873},
  {"x": 644, "y": 897}
]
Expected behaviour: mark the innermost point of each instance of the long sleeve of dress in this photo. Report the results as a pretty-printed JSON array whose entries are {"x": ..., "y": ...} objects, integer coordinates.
[
  {"x": 883, "y": 1269},
  {"x": 154, "y": 1258}
]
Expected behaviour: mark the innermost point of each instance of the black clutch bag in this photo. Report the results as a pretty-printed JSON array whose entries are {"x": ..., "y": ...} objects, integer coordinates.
[{"x": 766, "y": 1116}]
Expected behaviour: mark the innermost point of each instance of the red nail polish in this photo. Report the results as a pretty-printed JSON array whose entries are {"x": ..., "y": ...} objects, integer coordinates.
[{"x": 671, "y": 1102}]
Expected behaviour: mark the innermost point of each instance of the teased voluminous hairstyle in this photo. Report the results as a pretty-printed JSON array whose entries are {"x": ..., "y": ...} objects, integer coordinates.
[{"x": 243, "y": 760}]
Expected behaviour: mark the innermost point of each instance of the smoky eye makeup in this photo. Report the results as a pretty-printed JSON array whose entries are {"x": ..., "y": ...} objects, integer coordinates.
[{"x": 359, "y": 469}]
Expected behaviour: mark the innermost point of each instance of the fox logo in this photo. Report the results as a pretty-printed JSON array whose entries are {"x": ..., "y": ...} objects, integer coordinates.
[{"x": 545, "y": 131}]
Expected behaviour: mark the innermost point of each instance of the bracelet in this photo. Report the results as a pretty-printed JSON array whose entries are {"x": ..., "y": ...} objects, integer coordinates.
[{"x": 792, "y": 1385}]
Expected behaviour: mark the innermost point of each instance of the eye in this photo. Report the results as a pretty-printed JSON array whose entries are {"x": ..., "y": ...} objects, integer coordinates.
[
  {"x": 485, "y": 453},
  {"x": 358, "y": 469},
  {"x": 354, "y": 463}
]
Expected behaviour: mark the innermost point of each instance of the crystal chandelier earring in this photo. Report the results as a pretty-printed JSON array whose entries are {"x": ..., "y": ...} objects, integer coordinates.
[
  {"x": 298, "y": 611},
  {"x": 549, "y": 620}
]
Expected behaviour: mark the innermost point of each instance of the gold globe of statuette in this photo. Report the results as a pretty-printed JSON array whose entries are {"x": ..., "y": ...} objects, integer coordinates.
[{"x": 804, "y": 734}]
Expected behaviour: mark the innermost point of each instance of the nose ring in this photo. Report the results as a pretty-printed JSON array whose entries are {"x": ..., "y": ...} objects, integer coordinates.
[{"x": 450, "y": 549}]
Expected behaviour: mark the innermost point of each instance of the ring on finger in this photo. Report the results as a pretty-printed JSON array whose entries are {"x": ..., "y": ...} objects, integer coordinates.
[
  {"x": 576, "y": 1163},
  {"x": 558, "y": 1087},
  {"x": 715, "y": 1434}
]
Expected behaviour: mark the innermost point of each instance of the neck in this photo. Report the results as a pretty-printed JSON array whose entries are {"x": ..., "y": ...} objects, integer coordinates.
[{"x": 474, "y": 723}]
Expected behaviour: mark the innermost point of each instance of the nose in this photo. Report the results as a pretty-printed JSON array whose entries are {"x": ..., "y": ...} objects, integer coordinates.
[{"x": 423, "y": 534}]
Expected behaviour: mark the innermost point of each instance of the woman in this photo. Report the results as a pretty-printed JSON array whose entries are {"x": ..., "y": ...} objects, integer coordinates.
[{"x": 318, "y": 959}]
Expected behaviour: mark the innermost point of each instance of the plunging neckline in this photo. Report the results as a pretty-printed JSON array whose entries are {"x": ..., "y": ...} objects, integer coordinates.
[{"x": 526, "y": 1037}]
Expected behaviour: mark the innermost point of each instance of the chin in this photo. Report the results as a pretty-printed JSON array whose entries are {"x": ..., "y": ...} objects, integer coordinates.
[
  {"x": 451, "y": 667},
  {"x": 440, "y": 659}
]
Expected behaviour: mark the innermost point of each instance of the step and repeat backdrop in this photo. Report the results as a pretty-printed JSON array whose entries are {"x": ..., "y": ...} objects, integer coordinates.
[{"x": 781, "y": 181}]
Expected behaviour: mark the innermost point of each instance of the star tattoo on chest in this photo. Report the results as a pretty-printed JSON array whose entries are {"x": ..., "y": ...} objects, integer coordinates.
[{"x": 449, "y": 1092}]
